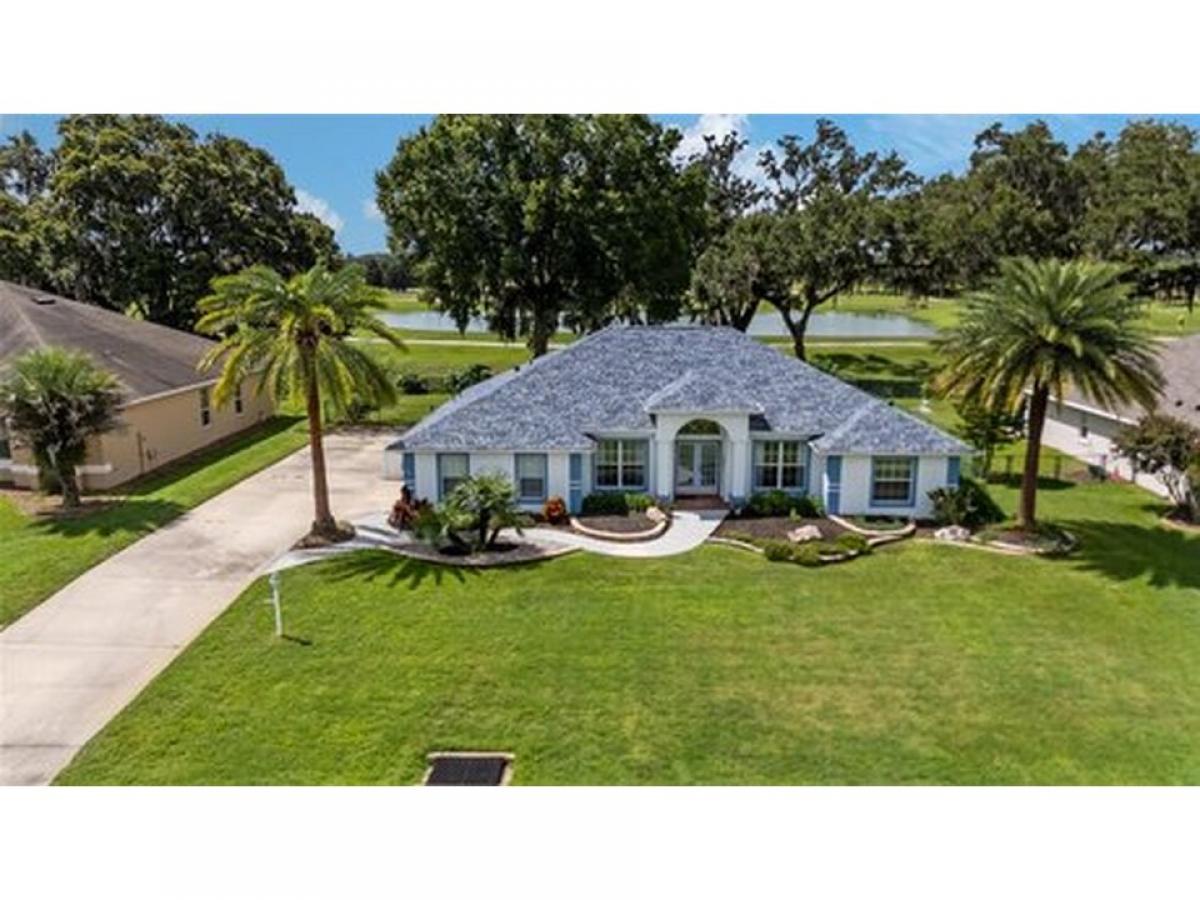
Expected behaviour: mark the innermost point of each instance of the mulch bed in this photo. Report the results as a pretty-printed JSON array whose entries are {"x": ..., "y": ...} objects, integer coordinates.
[
  {"x": 630, "y": 524},
  {"x": 775, "y": 528}
]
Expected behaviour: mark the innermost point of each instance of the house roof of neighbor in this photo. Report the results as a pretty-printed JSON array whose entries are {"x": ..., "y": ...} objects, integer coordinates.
[
  {"x": 613, "y": 382},
  {"x": 149, "y": 359},
  {"x": 1180, "y": 363}
]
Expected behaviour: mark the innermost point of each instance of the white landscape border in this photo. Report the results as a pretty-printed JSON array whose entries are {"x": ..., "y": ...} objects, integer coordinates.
[{"x": 624, "y": 55}]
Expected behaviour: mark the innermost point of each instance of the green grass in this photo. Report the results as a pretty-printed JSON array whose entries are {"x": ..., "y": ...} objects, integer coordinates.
[
  {"x": 918, "y": 664},
  {"x": 41, "y": 556}
]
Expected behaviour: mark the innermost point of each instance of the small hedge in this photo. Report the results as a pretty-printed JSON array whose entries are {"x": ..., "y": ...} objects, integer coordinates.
[
  {"x": 770, "y": 504},
  {"x": 615, "y": 503},
  {"x": 809, "y": 553}
]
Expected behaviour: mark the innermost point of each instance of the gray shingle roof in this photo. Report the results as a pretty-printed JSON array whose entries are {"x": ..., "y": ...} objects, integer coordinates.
[
  {"x": 612, "y": 382},
  {"x": 147, "y": 358},
  {"x": 1180, "y": 363}
]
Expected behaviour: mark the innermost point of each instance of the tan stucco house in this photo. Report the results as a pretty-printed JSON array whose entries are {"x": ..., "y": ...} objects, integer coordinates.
[{"x": 168, "y": 410}]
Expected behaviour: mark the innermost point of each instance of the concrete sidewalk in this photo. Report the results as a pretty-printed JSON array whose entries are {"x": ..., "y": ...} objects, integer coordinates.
[{"x": 71, "y": 664}]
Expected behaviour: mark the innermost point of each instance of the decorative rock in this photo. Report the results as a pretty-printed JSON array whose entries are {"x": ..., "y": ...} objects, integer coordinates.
[
  {"x": 955, "y": 533},
  {"x": 654, "y": 514},
  {"x": 805, "y": 533}
]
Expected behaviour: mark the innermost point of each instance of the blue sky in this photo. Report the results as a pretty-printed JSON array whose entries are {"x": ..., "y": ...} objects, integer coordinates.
[{"x": 331, "y": 159}]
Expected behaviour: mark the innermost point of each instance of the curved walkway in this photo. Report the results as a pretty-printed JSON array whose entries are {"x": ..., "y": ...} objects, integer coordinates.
[{"x": 687, "y": 532}]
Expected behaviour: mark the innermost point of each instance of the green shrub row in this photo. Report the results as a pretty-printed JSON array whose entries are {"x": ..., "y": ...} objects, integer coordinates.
[
  {"x": 769, "y": 504},
  {"x": 615, "y": 503},
  {"x": 809, "y": 553},
  {"x": 452, "y": 383}
]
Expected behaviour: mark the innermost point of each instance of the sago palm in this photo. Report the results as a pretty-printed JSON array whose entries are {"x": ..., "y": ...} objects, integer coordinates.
[
  {"x": 1042, "y": 327},
  {"x": 294, "y": 333},
  {"x": 55, "y": 399}
]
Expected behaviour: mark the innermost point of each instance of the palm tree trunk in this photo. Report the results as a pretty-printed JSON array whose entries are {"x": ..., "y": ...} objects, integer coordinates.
[
  {"x": 323, "y": 521},
  {"x": 1027, "y": 517},
  {"x": 70, "y": 486}
]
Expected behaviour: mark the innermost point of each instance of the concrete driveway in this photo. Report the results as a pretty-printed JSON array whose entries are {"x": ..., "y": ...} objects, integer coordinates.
[{"x": 72, "y": 663}]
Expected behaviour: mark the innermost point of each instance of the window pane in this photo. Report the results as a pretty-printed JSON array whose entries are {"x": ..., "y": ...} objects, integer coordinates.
[
  {"x": 531, "y": 476},
  {"x": 606, "y": 453},
  {"x": 791, "y": 453},
  {"x": 606, "y": 475},
  {"x": 792, "y": 477},
  {"x": 633, "y": 463},
  {"x": 764, "y": 476},
  {"x": 892, "y": 479},
  {"x": 454, "y": 465}
]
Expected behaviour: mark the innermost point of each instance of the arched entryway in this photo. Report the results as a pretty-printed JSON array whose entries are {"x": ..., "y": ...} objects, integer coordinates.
[{"x": 699, "y": 458}]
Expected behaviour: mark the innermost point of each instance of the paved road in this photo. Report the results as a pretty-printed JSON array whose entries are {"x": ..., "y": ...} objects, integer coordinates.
[{"x": 72, "y": 663}]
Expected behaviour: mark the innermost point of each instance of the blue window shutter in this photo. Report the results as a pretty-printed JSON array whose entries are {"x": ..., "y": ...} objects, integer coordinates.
[
  {"x": 833, "y": 484},
  {"x": 912, "y": 492},
  {"x": 410, "y": 470},
  {"x": 953, "y": 470},
  {"x": 575, "y": 483}
]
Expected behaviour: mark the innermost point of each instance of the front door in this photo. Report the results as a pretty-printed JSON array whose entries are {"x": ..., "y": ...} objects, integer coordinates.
[{"x": 697, "y": 466}]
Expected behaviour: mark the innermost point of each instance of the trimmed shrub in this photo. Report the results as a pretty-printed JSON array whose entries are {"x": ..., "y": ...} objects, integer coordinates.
[
  {"x": 606, "y": 503},
  {"x": 554, "y": 511},
  {"x": 968, "y": 505},
  {"x": 412, "y": 383},
  {"x": 638, "y": 502},
  {"x": 777, "y": 551},
  {"x": 780, "y": 503},
  {"x": 807, "y": 554},
  {"x": 464, "y": 378},
  {"x": 852, "y": 543}
]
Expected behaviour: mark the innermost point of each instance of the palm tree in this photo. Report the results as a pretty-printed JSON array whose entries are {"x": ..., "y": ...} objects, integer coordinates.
[
  {"x": 1041, "y": 327},
  {"x": 295, "y": 332},
  {"x": 56, "y": 399}
]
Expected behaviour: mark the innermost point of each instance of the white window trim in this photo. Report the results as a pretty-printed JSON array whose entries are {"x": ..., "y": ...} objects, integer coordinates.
[
  {"x": 621, "y": 485},
  {"x": 911, "y": 498},
  {"x": 206, "y": 408},
  {"x": 779, "y": 465}
]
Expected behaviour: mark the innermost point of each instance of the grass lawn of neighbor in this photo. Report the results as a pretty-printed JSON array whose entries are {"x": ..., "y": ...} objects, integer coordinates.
[
  {"x": 42, "y": 554},
  {"x": 922, "y": 663}
]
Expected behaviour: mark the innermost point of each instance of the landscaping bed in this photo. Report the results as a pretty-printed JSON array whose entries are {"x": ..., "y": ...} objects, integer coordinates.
[
  {"x": 1045, "y": 539},
  {"x": 774, "y": 528},
  {"x": 502, "y": 553}
]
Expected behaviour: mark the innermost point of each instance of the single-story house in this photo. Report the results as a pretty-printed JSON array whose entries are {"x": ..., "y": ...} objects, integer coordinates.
[
  {"x": 1085, "y": 428},
  {"x": 679, "y": 411},
  {"x": 168, "y": 410}
]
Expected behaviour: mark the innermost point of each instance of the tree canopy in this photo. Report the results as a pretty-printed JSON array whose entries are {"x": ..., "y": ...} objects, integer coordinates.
[
  {"x": 539, "y": 220},
  {"x": 139, "y": 214}
]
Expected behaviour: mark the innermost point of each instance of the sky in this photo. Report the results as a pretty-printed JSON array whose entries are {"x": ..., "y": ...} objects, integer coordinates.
[{"x": 331, "y": 160}]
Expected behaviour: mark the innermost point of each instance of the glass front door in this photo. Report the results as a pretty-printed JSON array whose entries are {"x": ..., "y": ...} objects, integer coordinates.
[{"x": 697, "y": 467}]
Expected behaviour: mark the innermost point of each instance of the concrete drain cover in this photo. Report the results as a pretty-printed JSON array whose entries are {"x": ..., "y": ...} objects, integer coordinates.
[{"x": 468, "y": 768}]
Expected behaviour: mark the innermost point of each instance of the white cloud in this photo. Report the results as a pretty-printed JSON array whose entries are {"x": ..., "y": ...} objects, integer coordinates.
[
  {"x": 715, "y": 124},
  {"x": 310, "y": 203},
  {"x": 718, "y": 125},
  {"x": 371, "y": 209}
]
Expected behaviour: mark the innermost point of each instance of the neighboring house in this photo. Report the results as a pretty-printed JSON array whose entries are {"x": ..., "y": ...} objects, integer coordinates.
[
  {"x": 168, "y": 410},
  {"x": 1085, "y": 429},
  {"x": 679, "y": 411}
]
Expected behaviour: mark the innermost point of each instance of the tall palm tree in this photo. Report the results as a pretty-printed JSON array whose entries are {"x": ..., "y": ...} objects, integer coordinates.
[
  {"x": 56, "y": 399},
  {"x": 1041, "y": 327},
  {"x": 295, "y": 332}
]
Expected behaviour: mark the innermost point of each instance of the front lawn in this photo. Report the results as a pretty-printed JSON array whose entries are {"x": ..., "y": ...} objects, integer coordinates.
[{"x": 918, "y": 664}]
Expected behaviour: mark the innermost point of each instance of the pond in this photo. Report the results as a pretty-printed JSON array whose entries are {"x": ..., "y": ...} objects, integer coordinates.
[{"x": 764, "y": 324}]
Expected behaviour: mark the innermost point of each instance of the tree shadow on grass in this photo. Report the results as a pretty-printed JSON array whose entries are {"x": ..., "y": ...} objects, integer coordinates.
[
  {"x": 382, "y": 565},
  {"x": 136, "y": 516},
  {"x": 1044, "y": 482},
  {"x": 1123, "y": 551}
]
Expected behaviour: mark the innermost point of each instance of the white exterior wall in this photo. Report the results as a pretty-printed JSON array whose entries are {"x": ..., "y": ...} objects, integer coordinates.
[
  {"x": 735, "y": 456},
  {"x": 856, "y": 487},
  {"x": 557, "y": 472},
  {"x": 1063, "y": 431}
]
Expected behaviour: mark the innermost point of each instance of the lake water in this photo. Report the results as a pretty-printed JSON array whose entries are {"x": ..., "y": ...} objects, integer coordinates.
[{"x": 764, "y": 324}]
